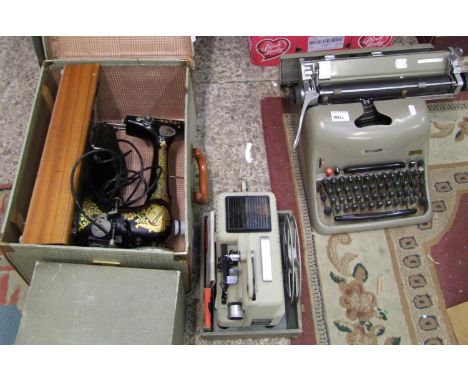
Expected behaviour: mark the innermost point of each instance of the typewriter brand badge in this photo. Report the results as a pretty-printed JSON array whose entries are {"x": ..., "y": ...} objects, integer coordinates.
[
  {"x": 340, "y": 116},
  {"x": 270, "y": 49},
  {"x": 374, "y": 41}
]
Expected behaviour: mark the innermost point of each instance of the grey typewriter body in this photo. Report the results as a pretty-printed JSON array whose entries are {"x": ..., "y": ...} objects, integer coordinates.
[
  {"x": 338, "y": 144},
  {"x": 363, "y": 135}
]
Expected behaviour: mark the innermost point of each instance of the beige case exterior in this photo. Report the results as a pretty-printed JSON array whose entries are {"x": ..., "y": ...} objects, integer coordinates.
[
  {"x": 292, "y": 321},
  {"x": 267, "y": 305}
]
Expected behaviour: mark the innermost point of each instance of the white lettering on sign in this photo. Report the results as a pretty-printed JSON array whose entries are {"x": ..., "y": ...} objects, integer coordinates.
[{"x": 340, "y": 116}]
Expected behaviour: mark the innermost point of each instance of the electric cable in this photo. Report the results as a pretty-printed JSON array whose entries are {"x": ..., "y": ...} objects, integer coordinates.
[{"x": 112, "y": 188}]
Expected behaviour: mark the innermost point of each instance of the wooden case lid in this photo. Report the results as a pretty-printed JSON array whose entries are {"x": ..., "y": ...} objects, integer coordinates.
[{"x": 118, "y": 47}]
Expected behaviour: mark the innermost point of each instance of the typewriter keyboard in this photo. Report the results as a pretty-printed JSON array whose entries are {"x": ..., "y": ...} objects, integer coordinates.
[{"x": 376, "y": 191}]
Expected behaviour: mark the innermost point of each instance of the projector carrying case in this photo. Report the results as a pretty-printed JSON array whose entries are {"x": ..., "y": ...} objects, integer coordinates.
[{"x": 139, "y": 76}]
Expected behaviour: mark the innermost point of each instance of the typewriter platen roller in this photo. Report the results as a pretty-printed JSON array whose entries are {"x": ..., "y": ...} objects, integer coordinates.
[{"x": 363, "y": 134}]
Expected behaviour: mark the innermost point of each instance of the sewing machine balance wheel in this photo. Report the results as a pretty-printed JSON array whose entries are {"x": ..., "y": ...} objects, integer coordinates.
[{"x": 291, "y": 257}]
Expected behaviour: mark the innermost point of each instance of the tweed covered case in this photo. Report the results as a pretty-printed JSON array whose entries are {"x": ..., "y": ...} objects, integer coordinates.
[{"x": 139, "y": 76}]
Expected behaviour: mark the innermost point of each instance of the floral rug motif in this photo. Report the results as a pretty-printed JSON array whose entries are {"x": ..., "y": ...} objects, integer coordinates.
[
  {"x": 382, "y": 286},
  {"x": 365, "y": 320}
]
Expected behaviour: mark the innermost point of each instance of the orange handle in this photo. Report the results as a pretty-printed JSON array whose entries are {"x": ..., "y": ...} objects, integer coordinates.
[
  {"x": 207, "y": 323},
  {"x": 201, "y": 197}
]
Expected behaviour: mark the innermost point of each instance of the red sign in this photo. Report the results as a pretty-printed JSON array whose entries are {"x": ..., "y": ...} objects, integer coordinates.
[
  {"x": 374, "y": 41},
  {"x": 270, "y": 49},
  {"x": 266, "y": 50}
]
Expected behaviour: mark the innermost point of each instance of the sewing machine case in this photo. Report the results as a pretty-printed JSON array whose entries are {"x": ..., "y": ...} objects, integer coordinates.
[{"x": 139, "y": 76}]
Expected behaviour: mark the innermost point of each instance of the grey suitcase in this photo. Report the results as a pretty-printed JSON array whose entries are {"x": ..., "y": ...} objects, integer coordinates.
[{"x": 139, "y": 75}]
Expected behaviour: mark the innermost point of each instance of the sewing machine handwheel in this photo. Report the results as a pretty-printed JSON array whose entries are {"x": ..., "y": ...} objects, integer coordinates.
[{"x": 201, "y": 197}]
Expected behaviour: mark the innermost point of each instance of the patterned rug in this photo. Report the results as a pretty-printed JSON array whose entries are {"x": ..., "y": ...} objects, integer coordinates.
[
  {"x": 387, "y": 286},
  {"x": 12, "y": 286}
]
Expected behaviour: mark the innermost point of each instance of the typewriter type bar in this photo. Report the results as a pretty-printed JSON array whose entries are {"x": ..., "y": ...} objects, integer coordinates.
[{"x": 50, "y": 214}]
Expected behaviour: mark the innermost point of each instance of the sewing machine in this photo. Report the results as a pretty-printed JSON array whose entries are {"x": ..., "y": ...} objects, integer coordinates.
[{"x": 363, "y": 134}]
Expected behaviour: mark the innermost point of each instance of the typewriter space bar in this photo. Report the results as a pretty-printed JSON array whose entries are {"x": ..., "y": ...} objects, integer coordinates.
[{"x": 375, "y": 215}]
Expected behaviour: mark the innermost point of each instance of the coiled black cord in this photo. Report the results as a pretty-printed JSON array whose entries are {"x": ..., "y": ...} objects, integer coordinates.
[{"x": 111, "y": 190}]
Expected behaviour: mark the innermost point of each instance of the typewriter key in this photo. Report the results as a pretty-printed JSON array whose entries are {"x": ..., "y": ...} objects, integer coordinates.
[{"x": 327, "y": 211}]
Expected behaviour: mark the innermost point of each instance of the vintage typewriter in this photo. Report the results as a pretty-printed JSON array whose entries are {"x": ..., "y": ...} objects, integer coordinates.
[{"x": 363, "y": 134}]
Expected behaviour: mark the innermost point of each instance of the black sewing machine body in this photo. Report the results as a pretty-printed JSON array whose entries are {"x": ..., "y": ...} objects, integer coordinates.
[{"x": 107, "y": 219}]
